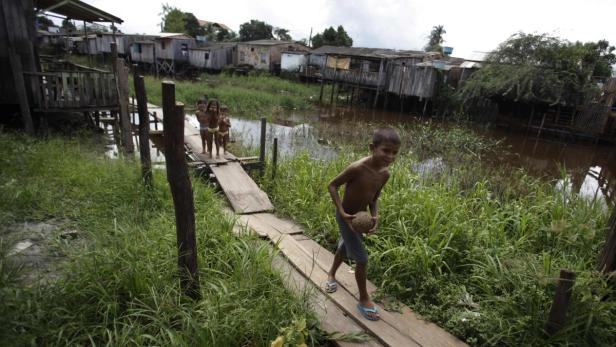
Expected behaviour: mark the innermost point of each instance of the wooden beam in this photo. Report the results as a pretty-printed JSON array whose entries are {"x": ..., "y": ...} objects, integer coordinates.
[
  {"x": 558, "y": 312},
  {"x": 20, "y": 88},
  {"x": 262, "y": 140},
  {"x": 607, "y": 259},
  {"x": 144, "y": 128},
  {"x": 121, "y": 72},
  {"x": 181, "y": 190}
]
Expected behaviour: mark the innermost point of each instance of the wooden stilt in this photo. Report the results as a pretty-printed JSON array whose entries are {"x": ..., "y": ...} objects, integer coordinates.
[
  {"x": 274, "y": 158},
  {"x": 321, "y": 93},
  {"x": 262, "y": 140},
  {"x": 121, "y": 72},
  {"x": 181, "y": 190},
  {"x": 607, "y": 260},
  {"x": 144, "y": 129},
  {"x": 20, "y": 88},
  {"x": 558, "y": 312}
]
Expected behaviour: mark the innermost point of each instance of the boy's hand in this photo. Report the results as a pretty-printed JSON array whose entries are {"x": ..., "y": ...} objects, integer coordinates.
[
  {"x": 348, "y": 218},
  {"x": 375, "y": 220}
]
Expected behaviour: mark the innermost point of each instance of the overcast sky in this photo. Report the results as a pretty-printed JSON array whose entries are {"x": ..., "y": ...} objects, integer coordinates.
[{"x": 471, "y": 25}]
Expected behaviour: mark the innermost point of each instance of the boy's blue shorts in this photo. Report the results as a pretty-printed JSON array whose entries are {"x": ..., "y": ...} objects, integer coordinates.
[{"x": 351, "y": 241}]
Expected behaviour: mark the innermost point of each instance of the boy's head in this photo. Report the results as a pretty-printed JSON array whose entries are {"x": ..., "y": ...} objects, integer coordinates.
[
  {"x": 213, "y": 106},
  {"x": 224, "y": 109},
  {"x": 385, "y": 145}
]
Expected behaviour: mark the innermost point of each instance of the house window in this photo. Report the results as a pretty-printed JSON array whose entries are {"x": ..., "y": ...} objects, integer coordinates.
[
  {"x": 263, "y": 58},
  {"x": 184, "y": 49},
  {"x": 242, "y": 56},
  {"x": 207, "y": 55},
  {"x": 162, "y": 45},
  {"x": 139, "y": 48},
  {"x": 252, "y": 49}
]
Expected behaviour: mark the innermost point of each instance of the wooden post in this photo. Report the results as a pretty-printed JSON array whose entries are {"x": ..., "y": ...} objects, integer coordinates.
[
  {"x": 144, "y": 129},
  {"x": 85, "y": 32},
  {"x": 275, "y": 157},
  {"x": 378, "y": 85},
  {"x": 321, "y": 93},
  {"x": 607, "y": 259},
  {"x": 97, "y": 119},
  {"x": 20, "y": 88},
  {"x": 155, "y": 116},
  {"x": 331, "y": 96},
  {"x": 558, "y": 312},
  {"x": 133, "y": 112},
  {"x": 262, "y": 141},
  {"x": 121, "y": 72},
  {"x": 181, "y": 190}
]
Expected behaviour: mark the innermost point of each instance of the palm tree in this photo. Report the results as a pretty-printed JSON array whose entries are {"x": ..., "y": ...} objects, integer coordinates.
[{"x": 435, "y": 39}]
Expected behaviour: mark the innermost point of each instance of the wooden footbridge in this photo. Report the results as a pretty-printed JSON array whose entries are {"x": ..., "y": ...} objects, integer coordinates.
[{"x": 304, "y": 263}]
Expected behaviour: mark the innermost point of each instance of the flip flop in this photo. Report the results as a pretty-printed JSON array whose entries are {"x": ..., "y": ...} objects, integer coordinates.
[
  {"x": 331, "y": 286},
  {"x": 365, "y": 311}
]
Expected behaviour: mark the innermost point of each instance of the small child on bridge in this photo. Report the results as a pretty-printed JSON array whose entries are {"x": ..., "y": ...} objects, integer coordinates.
[
  {"x": 224, "y": 124},
  {"x": 363, "y": 181},
  {"x": 202, "y": 118},
  {"x": 212, "y": 113}
]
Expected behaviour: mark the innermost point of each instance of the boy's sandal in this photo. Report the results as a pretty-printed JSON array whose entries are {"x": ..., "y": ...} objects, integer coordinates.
[
  {"x": 370, "y": 313},
  {"x": 331, "y": 286}
]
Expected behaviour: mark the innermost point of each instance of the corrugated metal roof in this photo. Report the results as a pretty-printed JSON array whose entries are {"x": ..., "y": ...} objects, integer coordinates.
[
  {"x": 75, "y": 9},
  {"x": 173, "y": 36},
  {"x": 204, "y": 23},
  {"x": 470, "y": 65},
  {"x": 478, "y": 56},
  {"x": 380, "y": 53},
  {"x": 267, "y": 42}
]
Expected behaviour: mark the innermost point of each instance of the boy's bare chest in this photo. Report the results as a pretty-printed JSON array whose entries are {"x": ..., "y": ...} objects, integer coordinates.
[{"x": 368, "y": 182}]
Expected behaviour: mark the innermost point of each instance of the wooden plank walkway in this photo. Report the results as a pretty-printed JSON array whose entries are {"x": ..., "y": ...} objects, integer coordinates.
[
  {"x": 307, "y": 264},
  {"x": 313, "y": 262}
]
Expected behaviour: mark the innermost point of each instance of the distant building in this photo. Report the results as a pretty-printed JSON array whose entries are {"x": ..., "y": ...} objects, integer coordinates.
[{"x": 266, "y": 54}]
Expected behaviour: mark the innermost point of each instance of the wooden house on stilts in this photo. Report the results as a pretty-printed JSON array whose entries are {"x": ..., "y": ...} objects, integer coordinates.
[{"x": 37, "y": 87}]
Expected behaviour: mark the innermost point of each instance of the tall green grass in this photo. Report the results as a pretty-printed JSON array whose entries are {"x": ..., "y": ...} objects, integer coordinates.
[
  {"x": 251, "y": 96},
  {"x": 118, "y": 283},
  {"x": 473, "y": 247}
]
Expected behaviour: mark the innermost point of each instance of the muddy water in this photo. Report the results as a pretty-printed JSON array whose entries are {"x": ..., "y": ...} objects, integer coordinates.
[{"x": 585, "y": 168}]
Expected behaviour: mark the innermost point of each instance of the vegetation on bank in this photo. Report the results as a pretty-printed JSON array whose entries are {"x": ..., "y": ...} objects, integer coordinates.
[
  {"x": 118, "y": 283},
  {"x": 473, "y": 248},
  {"x": 251, "y": 96}
]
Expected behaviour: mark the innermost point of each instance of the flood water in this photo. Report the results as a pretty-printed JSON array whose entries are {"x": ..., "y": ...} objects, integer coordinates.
[{"x": 585, "y": 168}]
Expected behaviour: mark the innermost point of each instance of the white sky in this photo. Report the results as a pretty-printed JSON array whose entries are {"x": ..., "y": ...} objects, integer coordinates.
[{"x": 472, "y": 25}]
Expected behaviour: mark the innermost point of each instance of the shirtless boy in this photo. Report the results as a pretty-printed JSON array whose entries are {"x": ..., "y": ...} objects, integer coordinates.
[
  {"x": 213, "y": 111},
  {"x": 202, "y": 118},
  {"x": 223, "y": 129},
  {"x": 363, "y": 181}
]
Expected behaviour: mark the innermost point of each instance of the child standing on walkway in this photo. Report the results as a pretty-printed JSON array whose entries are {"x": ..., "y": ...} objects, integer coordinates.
[
  {"x": 202, "y": 118},
  {"x": 363, "y": 181},
  {"x": 223, "y": 128},
  {"x": 213, "y": 112}
]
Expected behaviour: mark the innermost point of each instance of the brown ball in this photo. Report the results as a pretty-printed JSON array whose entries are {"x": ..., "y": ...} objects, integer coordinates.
[{"x": 362, "y": 222}]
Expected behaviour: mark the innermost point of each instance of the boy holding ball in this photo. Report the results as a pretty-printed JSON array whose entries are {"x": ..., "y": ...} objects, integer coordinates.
[{"x": 363, "y": 181}]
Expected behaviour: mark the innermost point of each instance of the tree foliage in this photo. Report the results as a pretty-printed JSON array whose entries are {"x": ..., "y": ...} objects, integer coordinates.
[
  {"x": 534, "y": 68},
  {"x": 67, "y": 25},
  {"x": 44, "y": 23},
  {"x": 255, "y": 30},
  {"x": 191, "y": 25},
  {"x": 435, "y": 40},
  {"x": 282, "y": 34},
  {"x": 332, "y": 37}
]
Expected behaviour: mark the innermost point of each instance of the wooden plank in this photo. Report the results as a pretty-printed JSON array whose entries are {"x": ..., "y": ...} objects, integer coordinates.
[
  {"x": 331, "y": 318},
  {"x": 243, "y": 193},
  {"x": 283, "y": 226},
  {"x": 382, "y": 329}
]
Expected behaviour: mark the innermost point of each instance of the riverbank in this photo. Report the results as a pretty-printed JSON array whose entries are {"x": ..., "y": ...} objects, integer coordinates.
[
  {"x": 118, "y": 284},
  {"x": 477, "y": 249}
]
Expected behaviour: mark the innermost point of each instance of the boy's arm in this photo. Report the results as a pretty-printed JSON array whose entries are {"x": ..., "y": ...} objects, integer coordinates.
[
  {"x": 373, "y": 206},
  {"x": 344, "y": 177}
]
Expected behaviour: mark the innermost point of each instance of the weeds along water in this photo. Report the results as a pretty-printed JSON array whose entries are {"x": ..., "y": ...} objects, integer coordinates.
[
  {"x": 252, "y": 96},
  {"x": 118, "y": 286},
  {"x": 473, "y": 247}
]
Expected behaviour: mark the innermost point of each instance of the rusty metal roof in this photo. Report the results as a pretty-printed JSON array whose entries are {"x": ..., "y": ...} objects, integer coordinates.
[
  {"x": 75, "y": 9},
  {"x": 268, "y": 42},
  {"x": 379, "y": 53}
]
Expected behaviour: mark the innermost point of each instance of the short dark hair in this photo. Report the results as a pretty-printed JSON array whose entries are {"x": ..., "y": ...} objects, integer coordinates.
[
  {"x": 386, "y": 134},
  {"x": 201, "y": 101}
]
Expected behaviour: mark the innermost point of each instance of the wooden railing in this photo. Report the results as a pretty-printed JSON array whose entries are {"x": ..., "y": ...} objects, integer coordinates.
[{"x": 77, "y": 90}]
